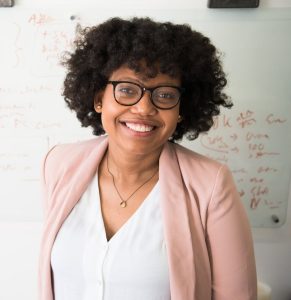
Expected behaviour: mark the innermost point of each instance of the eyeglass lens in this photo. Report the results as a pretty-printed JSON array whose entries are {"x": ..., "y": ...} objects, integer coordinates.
[{"x": 130, "y": 93}]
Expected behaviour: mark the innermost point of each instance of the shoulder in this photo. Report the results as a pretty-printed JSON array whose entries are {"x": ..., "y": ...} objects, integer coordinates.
[
  {"x": 191, "y": 160},
  {"x": 71, "y": 151},
  {"x": 65, "y": 156},
  {"x": 200, "y": 171},
  {"x": 77, "y": 148}
]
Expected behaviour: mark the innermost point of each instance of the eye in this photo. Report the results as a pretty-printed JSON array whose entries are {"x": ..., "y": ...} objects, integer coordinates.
[
  {"x": 127, "y": 90},
  {"x": 166, "y": 94}
]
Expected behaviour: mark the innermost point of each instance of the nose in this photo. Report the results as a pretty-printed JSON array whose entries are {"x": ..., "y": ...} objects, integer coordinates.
[{"x": 145, "y": 105}]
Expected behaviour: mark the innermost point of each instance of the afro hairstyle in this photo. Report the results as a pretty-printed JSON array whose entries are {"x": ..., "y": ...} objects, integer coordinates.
[{"x": 147, "y": 47}]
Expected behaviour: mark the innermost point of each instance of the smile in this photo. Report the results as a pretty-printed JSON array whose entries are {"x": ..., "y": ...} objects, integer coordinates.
[{"x": 139, "y": 127}]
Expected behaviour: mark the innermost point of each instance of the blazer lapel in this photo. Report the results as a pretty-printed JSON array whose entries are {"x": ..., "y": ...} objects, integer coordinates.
[
  {"x": 174, "y": 198},
  {"x": 74, "y": 183}
]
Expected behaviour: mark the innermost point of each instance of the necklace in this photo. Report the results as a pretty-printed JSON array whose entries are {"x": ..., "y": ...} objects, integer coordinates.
[{"x": 123, "y": 202}]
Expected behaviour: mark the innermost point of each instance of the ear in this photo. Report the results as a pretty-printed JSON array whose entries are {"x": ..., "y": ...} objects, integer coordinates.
[
  {"x": 180, "y": 119},
  {"x": 98, "y": 102}
]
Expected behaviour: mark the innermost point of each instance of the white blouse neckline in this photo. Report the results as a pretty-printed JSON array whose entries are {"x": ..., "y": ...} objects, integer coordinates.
[{"x": 131, "y": 265}]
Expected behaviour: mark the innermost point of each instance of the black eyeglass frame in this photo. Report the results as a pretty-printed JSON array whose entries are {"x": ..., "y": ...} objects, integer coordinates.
[{"x": 143, "y": 90}]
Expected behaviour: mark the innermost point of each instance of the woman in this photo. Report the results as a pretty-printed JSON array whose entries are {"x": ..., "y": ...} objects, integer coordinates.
[{"x": 132, "y": 215}]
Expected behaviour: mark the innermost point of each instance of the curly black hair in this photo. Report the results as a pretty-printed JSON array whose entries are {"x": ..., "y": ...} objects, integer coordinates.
[{"x": 148, "y": 47}]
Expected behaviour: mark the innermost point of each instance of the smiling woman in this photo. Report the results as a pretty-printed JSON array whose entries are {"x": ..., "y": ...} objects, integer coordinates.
[
  {"x": 143, "y": 125},
  {"x": 131, "y": 214}
]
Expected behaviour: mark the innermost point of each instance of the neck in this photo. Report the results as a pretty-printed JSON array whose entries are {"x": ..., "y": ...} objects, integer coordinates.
[{"x": 131, "y": 167}]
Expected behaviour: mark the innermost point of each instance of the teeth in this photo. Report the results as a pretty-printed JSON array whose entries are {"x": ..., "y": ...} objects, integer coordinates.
[{"x": 139, "y": 127}]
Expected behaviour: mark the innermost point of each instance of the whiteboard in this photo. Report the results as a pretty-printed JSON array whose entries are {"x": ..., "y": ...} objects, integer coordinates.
[{"x": 253, "y": 138}]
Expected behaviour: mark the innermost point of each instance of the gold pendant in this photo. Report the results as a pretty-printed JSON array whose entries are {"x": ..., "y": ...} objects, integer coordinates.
[{"x": 123, "y": 204}]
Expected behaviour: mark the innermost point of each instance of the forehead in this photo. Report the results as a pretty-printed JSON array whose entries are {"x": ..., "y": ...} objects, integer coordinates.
[{"x": 126, "y": 73}]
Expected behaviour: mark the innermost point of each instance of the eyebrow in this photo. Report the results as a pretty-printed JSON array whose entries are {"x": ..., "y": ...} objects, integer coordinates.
[{"x": 135, "y": 80}]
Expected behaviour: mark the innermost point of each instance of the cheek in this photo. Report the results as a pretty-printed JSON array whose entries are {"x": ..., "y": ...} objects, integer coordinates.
[
  {"x": 111, "y": 111},
  {"x": 107, "y": 119},
  {"x": 173, "y": 118},
  {"x": 172, "y": 121}
]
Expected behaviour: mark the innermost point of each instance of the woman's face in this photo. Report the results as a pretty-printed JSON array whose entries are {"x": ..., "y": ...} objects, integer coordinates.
[{"x": 141, "y": 128}]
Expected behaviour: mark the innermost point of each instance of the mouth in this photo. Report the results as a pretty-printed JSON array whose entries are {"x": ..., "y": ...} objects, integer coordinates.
[{"x": 139, "y": 127}]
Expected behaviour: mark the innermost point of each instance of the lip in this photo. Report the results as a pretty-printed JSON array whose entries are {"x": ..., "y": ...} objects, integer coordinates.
[
  {"x": 139, "y": 127},
  {"x": 141, "y": 122}
]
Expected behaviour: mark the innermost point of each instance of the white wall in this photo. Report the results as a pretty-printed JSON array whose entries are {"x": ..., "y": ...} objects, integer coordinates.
[{"x": 20, "y": 239}]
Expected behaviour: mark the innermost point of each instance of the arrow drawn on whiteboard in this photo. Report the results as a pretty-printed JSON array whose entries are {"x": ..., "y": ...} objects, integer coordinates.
[{"x": 219, "y": 144}]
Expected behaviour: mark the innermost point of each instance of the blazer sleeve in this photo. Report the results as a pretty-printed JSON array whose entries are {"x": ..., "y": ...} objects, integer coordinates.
[{"x": 230, "y": 243}]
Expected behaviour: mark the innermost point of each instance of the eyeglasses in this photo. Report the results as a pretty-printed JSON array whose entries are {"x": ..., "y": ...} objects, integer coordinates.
[{"x": 129, "y": 93}]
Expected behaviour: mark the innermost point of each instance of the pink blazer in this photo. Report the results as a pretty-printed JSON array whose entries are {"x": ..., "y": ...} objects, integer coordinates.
[{"x": 207, "y": 234}]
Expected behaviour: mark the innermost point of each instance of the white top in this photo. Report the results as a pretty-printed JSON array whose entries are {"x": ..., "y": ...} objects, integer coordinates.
[{"x": 131, "y": 265}]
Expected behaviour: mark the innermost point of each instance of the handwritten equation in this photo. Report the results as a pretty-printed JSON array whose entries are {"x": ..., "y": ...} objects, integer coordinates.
[
  {"x": 20, "y": 158},
  {"x": 252, "y": 144},
  {"x": 26, "y": 116},
  {"x": 257, "y": 140},
  {"x": 52, "y": 39}
]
